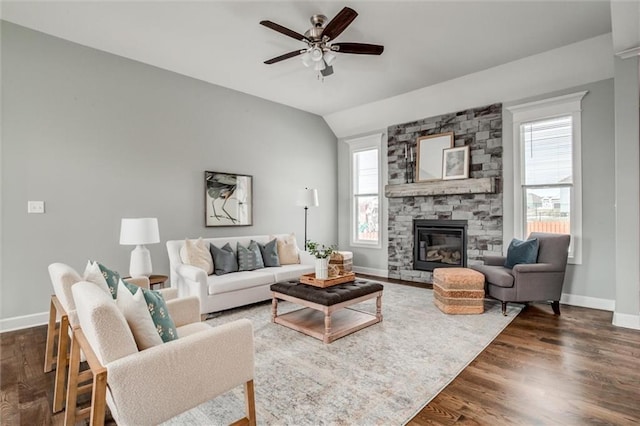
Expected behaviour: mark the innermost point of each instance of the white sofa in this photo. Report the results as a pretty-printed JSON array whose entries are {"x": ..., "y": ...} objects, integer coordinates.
[{"x": 220, "y": 292}]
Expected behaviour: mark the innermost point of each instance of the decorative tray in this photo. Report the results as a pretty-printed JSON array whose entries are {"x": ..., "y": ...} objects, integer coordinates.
[{"x": 317, "y": 282}]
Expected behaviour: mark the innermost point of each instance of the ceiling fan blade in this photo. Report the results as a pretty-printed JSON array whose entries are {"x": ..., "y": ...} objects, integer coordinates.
[
  {"x": 283, "y": 57},
  {"x": 283, "y": 30},
  {"x": 359, "y": 48},
  {"x": 339, "y": 23}
]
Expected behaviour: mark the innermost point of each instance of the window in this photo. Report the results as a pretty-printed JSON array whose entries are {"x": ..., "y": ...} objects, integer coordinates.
[
  {"x": 548, "y": 187},
  {"x": 365, "y": 190}
]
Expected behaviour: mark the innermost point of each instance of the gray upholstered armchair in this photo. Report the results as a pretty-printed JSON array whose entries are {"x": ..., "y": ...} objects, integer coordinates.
[{"x": 541, "y": 281}]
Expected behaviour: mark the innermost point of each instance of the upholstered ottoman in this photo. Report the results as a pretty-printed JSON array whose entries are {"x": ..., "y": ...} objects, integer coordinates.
[
  {"x": 458, "y": 290},
  {"x": 326, "y": 315}
]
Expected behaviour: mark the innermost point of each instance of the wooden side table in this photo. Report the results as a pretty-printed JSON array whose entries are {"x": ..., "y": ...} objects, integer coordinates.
[{"x": 157, "y": 280}]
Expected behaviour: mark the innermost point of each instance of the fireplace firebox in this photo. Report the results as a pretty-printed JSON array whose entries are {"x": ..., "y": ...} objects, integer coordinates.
[{"x": 439, "y": 244}]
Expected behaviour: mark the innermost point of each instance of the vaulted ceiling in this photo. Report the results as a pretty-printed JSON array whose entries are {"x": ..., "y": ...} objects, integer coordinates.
[{"x": 221, "y": 42}]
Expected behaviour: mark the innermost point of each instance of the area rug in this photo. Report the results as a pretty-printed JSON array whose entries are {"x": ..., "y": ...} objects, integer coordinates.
[{"x": 381, "y": 375}]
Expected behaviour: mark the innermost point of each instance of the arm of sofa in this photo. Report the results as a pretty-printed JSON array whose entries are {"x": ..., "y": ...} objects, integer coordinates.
[
  {"x": 160, "y": 382},
  {"x": 185, "y": 310},
  {"x": 193, "y": 282}
]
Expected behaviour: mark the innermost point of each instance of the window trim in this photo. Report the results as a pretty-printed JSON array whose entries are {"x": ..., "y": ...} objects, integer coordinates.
[
  {"x": 364, "y": 143},
  {"x": 565, "y": 105}
]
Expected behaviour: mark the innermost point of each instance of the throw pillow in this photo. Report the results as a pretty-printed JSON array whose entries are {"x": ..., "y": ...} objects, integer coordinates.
[
  {"x": 269, "y": 253},
  {"x": 196, "y": 253},
  {"x": 288, "y": 250},
  {"x": 112, "y": 278},
  {"x": 133, "y": 306},
  {"x": 224, "y": 259},
  {"x": 93, "y": 274},
  {"x": 157, "y": 308},
  {"x": 249, "y": 258},
  {"x": 521, "y": 252}
]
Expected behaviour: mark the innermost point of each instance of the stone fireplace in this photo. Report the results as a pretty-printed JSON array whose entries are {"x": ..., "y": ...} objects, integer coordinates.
[
  {"x": 439, "y": 244},
  {"x": 476, "y": 201}
]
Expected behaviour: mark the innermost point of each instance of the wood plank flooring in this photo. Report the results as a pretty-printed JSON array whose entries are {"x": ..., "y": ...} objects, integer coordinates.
[{"x": 576, "y": 369}]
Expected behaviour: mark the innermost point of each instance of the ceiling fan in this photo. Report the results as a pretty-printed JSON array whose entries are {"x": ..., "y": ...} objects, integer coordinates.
[{"x": 320, "y": 49}]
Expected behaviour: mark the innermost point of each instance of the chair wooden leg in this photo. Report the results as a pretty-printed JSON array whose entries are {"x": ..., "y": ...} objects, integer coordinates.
[
  {"x": 98, "y": 399},
  {"x": 555, "y": 305},
  {"x": 250, "y": 402},
  {"x": 72, "y": 385},
  {"x": 61, "y": 368},
  {"x": 49, "y": 357},
  {"x": 504, "y": 308}
]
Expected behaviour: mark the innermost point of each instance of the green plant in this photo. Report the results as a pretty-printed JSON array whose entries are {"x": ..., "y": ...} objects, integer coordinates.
[{"x": 320, "y": 251}]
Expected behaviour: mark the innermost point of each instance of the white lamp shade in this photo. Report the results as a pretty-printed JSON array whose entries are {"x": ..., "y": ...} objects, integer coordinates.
[
  {"x": 307, "y": 198},
  {"x": 329, "y": 57},
  {"x": 139, "y": 231}
]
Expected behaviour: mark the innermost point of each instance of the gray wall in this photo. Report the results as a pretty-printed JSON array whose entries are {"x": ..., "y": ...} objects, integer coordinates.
[
  {"x": 594, "y": 277},
  {"x": 99, "y": 137}
]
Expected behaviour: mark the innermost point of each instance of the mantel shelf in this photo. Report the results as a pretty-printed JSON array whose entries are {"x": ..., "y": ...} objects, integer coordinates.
[{"x": 441, "y": 187}]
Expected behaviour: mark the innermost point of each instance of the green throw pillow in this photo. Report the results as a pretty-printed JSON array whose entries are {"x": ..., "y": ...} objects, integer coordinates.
[
  {"x": 224, "y": 259},
  {"x": 249, "y": 258},
  {"x": 269, "y": 253},
  {"x": 521, "y": 252},
  {"x": 112, "y": 278},
  {"x": 165, "y": 326}
]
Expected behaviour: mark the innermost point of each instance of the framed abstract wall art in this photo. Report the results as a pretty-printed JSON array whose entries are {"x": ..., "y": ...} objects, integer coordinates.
[
  {"x": 455, "y": 163},
  {"x": 228, "y": 199}
]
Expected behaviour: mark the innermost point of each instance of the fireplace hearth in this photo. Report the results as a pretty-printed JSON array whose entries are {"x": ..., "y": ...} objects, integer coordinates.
[{"x": 439, "y": 244}]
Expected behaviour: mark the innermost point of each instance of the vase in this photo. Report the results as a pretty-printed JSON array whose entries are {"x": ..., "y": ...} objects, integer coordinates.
[{"x": 322, "y": 268}]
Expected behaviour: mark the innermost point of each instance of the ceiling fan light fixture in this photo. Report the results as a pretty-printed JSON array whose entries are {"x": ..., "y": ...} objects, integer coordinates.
[
  {"x": 316, "y": 54},
  {"x": 320, "y": 65},
  {"x": 306, "y": 59},
  {"x": 329, "y": 57}
]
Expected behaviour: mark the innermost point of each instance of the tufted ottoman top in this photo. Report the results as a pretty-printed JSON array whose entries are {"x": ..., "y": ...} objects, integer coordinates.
[{"x": 327, "y": 296}]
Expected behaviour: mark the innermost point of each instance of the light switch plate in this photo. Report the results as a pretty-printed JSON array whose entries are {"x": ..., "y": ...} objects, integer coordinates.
[{"x": 35, "y": 207}]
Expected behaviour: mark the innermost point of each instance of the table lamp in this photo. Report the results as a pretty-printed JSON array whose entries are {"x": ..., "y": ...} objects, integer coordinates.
[
  {"x": 307, "y": 198},
  {"x": 138, "y": 232}
]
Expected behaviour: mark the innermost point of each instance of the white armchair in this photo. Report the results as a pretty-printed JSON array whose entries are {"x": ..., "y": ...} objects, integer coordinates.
[
  {"x": 62, "y": 316},
  {"x": 151, "y": 386}
]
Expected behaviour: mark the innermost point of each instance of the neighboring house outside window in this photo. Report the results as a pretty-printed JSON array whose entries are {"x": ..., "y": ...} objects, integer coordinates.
[
  {"x": 547, "y": 169},
  {"x": 365, "y": 218}
]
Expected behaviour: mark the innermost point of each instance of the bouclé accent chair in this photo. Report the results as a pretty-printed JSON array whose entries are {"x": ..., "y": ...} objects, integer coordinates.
[
  {"x": 153, "y": 385},
  {"x": 535, "y": 282},
  {"x": 62, "y": 316}
]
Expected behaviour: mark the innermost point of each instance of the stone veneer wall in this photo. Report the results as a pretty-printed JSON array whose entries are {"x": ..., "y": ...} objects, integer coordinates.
[{"x": 481, "y": 129}]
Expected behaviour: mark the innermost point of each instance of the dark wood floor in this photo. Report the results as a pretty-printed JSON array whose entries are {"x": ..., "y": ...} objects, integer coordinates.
[{"x": 575, "y": 369}]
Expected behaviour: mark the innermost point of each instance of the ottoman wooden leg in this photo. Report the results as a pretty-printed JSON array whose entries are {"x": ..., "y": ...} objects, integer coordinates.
[
  {"x": 327, "y": 327},
  {"x": 274, "y": 309},
  {"x": 379, "y": 307}
]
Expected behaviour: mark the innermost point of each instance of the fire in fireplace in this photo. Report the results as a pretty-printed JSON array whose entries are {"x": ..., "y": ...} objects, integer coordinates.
[{"x": 439, "y": 244}]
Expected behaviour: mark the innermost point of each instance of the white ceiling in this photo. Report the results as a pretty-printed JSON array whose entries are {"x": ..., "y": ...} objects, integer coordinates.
[{"x": 221, "y": 42}]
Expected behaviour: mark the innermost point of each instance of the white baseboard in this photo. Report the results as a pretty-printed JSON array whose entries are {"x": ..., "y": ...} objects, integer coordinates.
[
  {"x": 626, "y": 320},
  {"x": 371, "y": 271},
  {"x": 588, "y": 302},
  {"x": 24, "y": 321}
]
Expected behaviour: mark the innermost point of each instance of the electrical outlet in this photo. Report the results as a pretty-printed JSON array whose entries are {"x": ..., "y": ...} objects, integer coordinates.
[{"x": 35, "y": 207}]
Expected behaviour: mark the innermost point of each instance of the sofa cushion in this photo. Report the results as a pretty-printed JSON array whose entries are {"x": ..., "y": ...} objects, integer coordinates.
[
  {"x": 521, "y": 252},
  {"x": 269, "y": 253},
  {"x": 496, "y": 275},
  {"x": 196, "y": 253},
  {"x": 224, "y": 259},
  {"x": 158, "y": 310},
  {"x": 291, "y": 272},
  {"x": 218, "y": 284},
  {"x": 288, "y": 250},
  {"x": 249, "y": 258},
  {"x": 192, "y": 328}
]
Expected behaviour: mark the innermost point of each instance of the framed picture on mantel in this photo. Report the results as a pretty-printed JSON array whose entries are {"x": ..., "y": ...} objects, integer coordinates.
[
  {"x": 455, "y": 163},
  {"x": 430, "y": 152},
  {"x": 228, "y": 199}
]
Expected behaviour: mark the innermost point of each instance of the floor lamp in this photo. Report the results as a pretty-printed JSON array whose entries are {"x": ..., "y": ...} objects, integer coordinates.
[{"x": 307, "y": 198}]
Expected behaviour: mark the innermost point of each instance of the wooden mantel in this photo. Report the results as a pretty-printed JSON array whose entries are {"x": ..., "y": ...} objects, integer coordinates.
[{"x": 441, "y": 187}]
